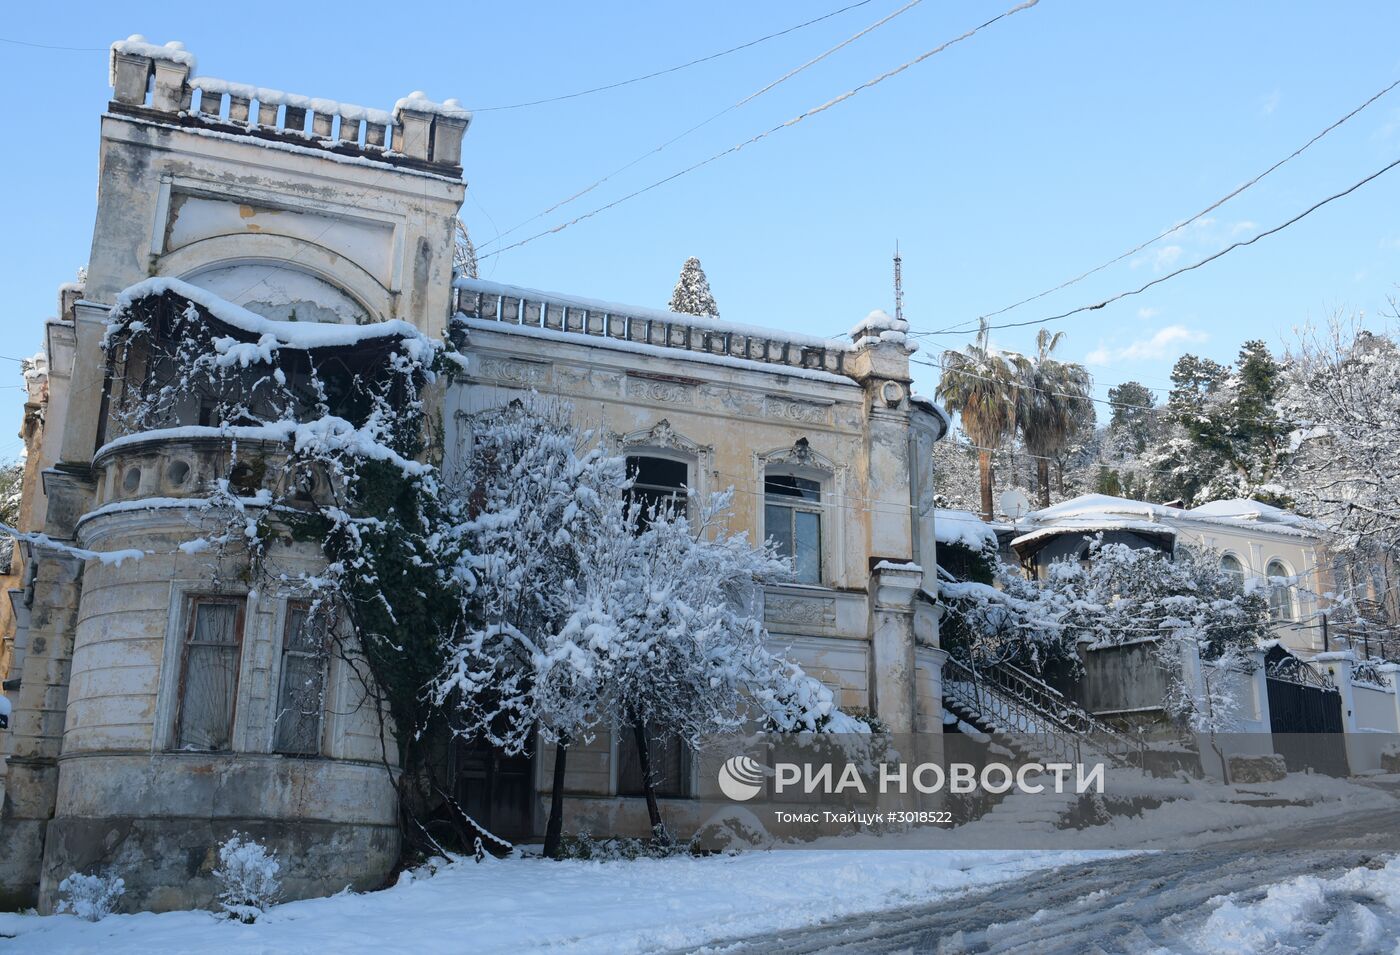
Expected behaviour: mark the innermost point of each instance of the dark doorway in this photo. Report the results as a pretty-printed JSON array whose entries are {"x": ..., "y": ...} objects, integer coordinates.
[{"x": 495, "y": 789}]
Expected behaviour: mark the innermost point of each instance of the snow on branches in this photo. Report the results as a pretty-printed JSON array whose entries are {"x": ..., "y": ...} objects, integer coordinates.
[
  {"x": 1184, "y": 603},
  {"x": 691, "y": 295},
  {"x": 590, "y": 612},
  {"x": 1342, "y": 394}
]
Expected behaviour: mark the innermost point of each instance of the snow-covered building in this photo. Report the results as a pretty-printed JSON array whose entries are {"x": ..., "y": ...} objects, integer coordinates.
[
  {"x": 151, "y": 695},
  {"x": 1264, "y": 546}
]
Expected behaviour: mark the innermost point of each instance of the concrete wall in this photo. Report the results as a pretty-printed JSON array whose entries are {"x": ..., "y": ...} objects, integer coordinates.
[{"x": 1124, "y": 681}]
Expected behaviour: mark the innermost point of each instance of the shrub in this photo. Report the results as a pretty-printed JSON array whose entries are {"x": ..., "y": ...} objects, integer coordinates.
[
  {"x": 247, "y": 877},
  {"x": 91, "y": 897}
]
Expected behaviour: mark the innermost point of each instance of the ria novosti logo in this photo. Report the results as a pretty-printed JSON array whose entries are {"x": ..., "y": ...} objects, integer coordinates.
[{"x": 741, "y": 778}]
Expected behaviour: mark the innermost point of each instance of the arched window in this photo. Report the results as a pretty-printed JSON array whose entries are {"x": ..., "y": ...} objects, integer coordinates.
[
  {"x": 1232, "y": 566},
  {"x": 1281, "y": 594}
]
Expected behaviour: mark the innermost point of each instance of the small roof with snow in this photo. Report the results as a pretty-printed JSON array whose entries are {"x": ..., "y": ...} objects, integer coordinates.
[
  {"x": 1091, "y": 513},
  {"x": 1095, "y": 514},
  {"x": 1086, "y": 527},
  {"x": 951, "y": 526}
]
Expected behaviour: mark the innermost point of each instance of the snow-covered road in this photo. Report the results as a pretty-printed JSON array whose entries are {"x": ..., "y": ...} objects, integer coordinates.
[{"x": 1246, "y": 898}]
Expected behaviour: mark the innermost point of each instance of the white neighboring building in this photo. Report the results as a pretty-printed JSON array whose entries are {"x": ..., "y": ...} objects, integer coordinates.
[{"x": 1257, "y": 542}]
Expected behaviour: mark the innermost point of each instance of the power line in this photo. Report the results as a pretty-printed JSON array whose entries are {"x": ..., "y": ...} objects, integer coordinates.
[
  {"x": 1027, "y": 4},
  {"x": 45, "y": 46},
  {"x": 964, "y": 329},
  {"x": 671, "y": 69},
  {"x": 728, "y": 109},
  {"x": 1204, "y": 212}
]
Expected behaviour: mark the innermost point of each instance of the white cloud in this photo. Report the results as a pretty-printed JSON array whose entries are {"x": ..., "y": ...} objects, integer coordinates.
[
  {"x": 1163, "y": 258},
  {"x": 1243, "y": 226},
  {"x": 1269, "y": 104},
  {"x": 1148, "y": 313},
  {"x": 1156, "y": 346}
]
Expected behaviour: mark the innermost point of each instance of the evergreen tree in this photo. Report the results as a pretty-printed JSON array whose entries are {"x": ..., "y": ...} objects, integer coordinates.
[
  {"x": 692, "y": 293},
  {"x": 1133, "y": 420},
  {"x": 463, "y": 251}
]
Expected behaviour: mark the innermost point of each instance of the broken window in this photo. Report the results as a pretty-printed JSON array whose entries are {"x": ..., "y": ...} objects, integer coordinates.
[
  {"x": 301, "y": 695},
  {"x": 792, "y": 517},
  {"x": 658, "y": 484},
  {"x": 209, "y": 674}
]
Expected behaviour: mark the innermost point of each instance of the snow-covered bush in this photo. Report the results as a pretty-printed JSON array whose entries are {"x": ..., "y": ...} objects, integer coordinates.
[
  {"x": 247, "y": 877},
  {"x": 1118, "y": 594},
  {"x": 91, "y": 897}
]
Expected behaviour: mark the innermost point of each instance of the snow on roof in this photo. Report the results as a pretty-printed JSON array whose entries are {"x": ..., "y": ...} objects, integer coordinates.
[
  {"x": 656, "y": 314},
  {"x": 876, "y": 322},
  {"x": 951, "y": 526},
  {"x": 878, "y": 327},
  {"x": 301, "y": 335},
  {"x": 1240, "y": 512},
  {"x": 1092, "y": 526},
  {"x": 137, "y": 45},
  {"x": 660, "y": 351},
  {"x": 1102, "y": 504},
  {"x": 928, "y": 404},
  {"x": 419, "y": 101}
]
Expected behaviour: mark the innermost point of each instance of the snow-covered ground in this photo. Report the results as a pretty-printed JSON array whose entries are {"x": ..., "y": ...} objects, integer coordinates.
[
  {"x": 516, "y": 905},
  {"x": 528, "y": 904}
]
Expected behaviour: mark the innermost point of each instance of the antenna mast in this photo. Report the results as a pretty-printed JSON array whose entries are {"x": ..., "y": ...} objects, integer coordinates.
[{"x": 898, "y": 285}]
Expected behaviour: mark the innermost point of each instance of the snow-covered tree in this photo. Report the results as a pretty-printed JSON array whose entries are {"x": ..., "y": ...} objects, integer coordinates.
[
  {"x": 539, "y": 506},
  {"x": 673, "y": 607},
  {"x": 463, "y": 251},
  {"x": 1342, "y": 393},
  {"x": 589, "y": 613},
  {"x": 1191, "y": 606},
  {"x": 692, "y": 292}
]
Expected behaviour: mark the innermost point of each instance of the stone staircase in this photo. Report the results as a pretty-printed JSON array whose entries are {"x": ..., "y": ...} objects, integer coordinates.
[{"x": 1029, "y": 718}]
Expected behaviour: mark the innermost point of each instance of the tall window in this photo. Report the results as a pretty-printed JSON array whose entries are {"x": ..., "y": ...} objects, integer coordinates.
[
  {"x": 670, "y": 764},
  {"x": 1281, "y": 603},
  {"x": 1232, "y": 566},
  {"x": 209, "y": 674},
  {"x": 658, "y": 484},
  {"x": 301, "y": 695},
  {"x": 792, "y": 517}
]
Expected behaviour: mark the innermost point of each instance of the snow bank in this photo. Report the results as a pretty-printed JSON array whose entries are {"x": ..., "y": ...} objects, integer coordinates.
[{"x": 518, "y": 905}]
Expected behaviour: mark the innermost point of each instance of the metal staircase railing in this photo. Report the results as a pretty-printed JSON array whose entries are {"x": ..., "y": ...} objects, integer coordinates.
[{"x": 1035, "y": 716}]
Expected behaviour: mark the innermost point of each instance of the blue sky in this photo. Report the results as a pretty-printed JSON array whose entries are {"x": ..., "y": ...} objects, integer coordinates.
[{"x": 1045, "y": 145}]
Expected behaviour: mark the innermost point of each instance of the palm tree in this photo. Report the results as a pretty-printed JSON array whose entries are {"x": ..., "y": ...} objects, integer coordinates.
[
  {"x": 1054, "y": 398},
  {"x": 982, "y": 385}
]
